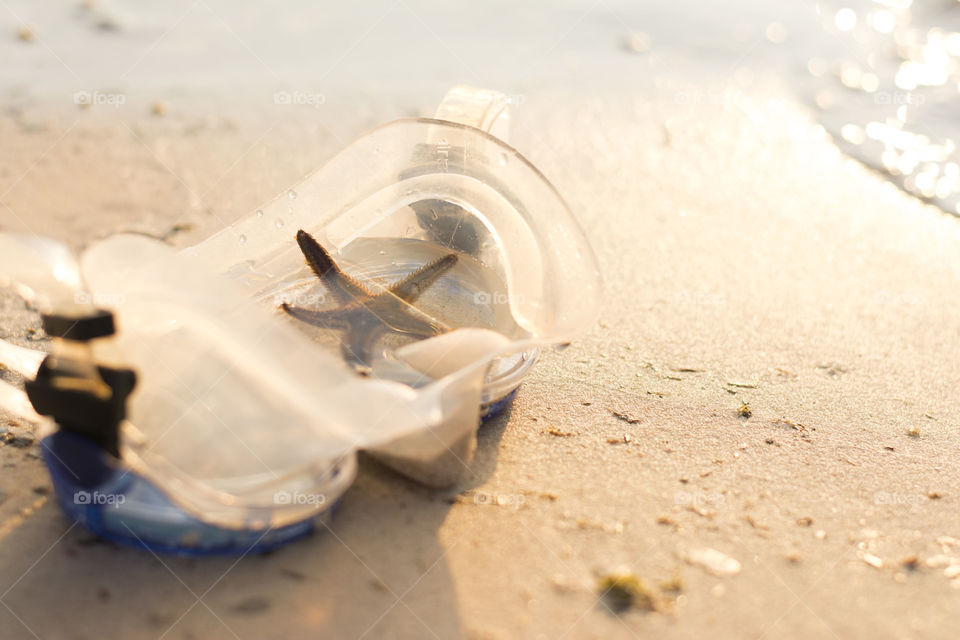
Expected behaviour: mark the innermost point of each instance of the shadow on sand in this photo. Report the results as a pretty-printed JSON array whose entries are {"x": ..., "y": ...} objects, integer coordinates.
[{"x": 378, "y": 571}]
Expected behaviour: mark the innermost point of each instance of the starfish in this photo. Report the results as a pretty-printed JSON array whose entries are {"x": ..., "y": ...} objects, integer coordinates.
[{"x": 364, "y": 315}]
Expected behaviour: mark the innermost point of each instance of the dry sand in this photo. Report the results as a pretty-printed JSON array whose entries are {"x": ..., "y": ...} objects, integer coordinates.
[{"x": 746, "y": 261}]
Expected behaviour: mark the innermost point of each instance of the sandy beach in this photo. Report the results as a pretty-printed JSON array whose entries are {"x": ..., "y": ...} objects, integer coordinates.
[{"x": 750, "y": 268}]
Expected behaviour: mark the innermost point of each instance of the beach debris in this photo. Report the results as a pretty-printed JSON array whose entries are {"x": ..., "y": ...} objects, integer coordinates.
[
  {"x": 940, "y": 560},
  {"x": 493, "y": 499},
  {"x": 629, "y": 418},
  {"x": 658, "y": 373},
  {"x": 714, "y": 562},
  {"x": 543, "y": 495},
  {"x": 805, "y": 521},
  {"x": 911, "y": 563},
  {"x": 934, "y": 495},
  {"x": 572, "y": 522},
  {"x": 703, "y": 512},
  {"x": 788, "y": 424},
  {"x": 756, "y": 524},
  {"x": 585, "y": 524},
  {"x": 913, "y": 432},
  {"x": 872, "y": 560},
  {"x": 624, "y": 439},
  {"x": 744, "y": 410},
  {"x": 159, "y": 108},
  {"x": 668, "y": 521},
  {"x": 742, "y": 385},
  {"x": 562, "y": 584},
  {"x": 26, "y": 34},
  {"x": 801, "y": 429},
  {"x": 950, "y": 564},
  {"x": 553, "y": 431},
  {"x": 673, "y": 585},
  {"x": 175, "y": 229},
  {"x": 948, "y": 541},
  {"x": 20, "y": 442},
  {"x": 622, "y": 590},
  {"x": 794, "y": 557}
]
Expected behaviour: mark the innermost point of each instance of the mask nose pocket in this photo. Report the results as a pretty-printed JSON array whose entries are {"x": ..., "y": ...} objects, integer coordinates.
[{"x": 424, "y": 243}]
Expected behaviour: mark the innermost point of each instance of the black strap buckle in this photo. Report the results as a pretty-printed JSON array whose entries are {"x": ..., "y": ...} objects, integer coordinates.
[
  {"x": 98, "y": 324},
  {"x": 87, "y": 401}
]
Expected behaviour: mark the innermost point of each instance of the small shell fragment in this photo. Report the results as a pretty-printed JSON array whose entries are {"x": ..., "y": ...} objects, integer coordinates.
[
  {"x": 873, "y": 561},
  {"x": 715, "y": 562}
]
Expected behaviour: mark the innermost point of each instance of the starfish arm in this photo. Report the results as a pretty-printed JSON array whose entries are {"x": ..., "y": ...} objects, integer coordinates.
[
  {"x": 410, "y": 288},
  {"x": 363, "y": 315},
  {"x": 340, "y": 285},
  {"x": 330, "y": 319},
  {"x": 357, "y": 345},
  {"x": 411, "y": 320}
]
